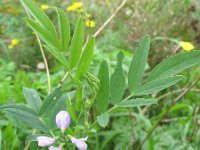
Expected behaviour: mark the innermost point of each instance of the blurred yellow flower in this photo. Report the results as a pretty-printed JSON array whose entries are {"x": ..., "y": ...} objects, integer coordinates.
[
  {"x": 90, "y": 23},
  {"x": 44, "y": 7},
  {"x": 76, "y": 6},
  {"x": 187, "y": 46},
  {"x": 13, "y": 43}
]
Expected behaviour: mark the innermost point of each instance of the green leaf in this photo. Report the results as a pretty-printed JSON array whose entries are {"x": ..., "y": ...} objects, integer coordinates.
[
  {"x": 86, "y": 58},
  {"x": 157, "y": 85},
  {"x": 39, "y": 16},
  {"x": 33, "y": 99},
  {"x": 18, "y": 107},
  {"x": 64, "y": 28},
  {"x": 71, "y": 108},
  {"x": 103, "y": 93},
  {"x": 138, "y": 64},
  {"x": 174, "y": 65},
  {"x": 0, "y": 139},
  {"x": 76, "y": 44},
  {"x": 103, "y": 119},
  {"x": 118, "y": 80},
  {"x": 44, "y": 34},
  {"x": 25, "y": 115},
  {"x": 50, "y": 102},
  {"x": 60, "y": 105},
  {"x": 59, "y": 56},
  {"x": 79, "y": 98},
  {"x": 137, "y": 102}
]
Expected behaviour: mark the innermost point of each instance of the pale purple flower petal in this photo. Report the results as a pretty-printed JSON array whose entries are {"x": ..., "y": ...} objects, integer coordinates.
[
  {"x": 54, "y": 148},
  {"x": 62, "y": 120},
  {"x": 44, "y": 141},
  {"x": 80, "y": 143}
]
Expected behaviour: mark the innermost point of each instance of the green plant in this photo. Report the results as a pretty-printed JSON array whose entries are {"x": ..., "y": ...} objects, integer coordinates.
[{"x": 91, "y": 99}]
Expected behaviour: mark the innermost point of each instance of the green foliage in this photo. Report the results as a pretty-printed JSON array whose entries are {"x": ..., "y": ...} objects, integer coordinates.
[
  {"x": 44, "y": 34},
  {"x": 50, "y": 101},
  {"x": 76, "y": 44},
  {"x": 86, "y": 58},
  {"x": 33, "y": 99},
  {"x": 174, "y": 65},
  {"x": 138, "y": 64},
  {"x": 103, "y": 119},
  {"x": 90, "y": 100},
  {"x": 39, "y": 15},
  {"x": 158, "y": 85},
  {"x": 25, "y": 115},
  {"x": 137, "y": 102},
  {"x": 103, "y": 93},
  {"x": 64, "y": 29},
  {"x": 118, "y": 80}
]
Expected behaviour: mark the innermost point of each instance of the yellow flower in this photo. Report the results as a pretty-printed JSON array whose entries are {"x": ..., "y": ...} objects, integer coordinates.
[
  {"x": 44, "y": 7},
  {"x": 76, "y": 6},
  {"x": 90, "y": 23},
  {"x": 13, "y": 43},
  {"x": 187, "y": 46}
]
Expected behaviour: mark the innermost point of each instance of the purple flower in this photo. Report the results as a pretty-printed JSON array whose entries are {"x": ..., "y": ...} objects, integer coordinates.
[
  {"x": 54, "y": 148},
  {"x": 62, "y": 120},
  {"x": 80, "y": 143},
  {"x": 45, "y": 141}
]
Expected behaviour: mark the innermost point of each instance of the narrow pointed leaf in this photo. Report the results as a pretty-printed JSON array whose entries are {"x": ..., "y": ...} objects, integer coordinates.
[
  {"x": 25, "y": 115},
  {"x": 174, "y": 65},
  {"x": 76, "y": 44},
  {"x": 33, "y": 99},
  {"x": 103, "y": 119},
  {"x": 50, "y": 102},
  {"x": 44, "y": 34},
  {"x": 117, "y": 80},
  {"x": 86, "y": 58},
  {"x": 137, "y": 102},
  {"x": 138, "y": 64},
  {"x": 64, "y": 28},
  {"x": 58, "y": 55},
  {"x": 79, "y": 98},
  {"x": 103, "y": 93},
  {"x": 39, "y": 15},
  {"x": 158, "y": 85},
  {"x": 71, "y": 108}
]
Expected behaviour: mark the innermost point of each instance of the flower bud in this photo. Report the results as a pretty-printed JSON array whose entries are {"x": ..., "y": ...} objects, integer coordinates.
[
  {"x": 80, "y": 143},
  {"x": 45, "y": 141},
  {"x": 54, "y": 148},
  {"x": 62, "y": 120}
]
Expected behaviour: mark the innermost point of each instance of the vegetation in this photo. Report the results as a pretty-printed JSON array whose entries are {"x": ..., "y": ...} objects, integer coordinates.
[{"x": 110, "y": 74}]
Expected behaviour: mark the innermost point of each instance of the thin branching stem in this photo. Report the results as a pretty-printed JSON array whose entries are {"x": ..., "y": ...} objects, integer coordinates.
[
  {"x": 110, "y": 18},
  {"x": 187, "y": 89}
]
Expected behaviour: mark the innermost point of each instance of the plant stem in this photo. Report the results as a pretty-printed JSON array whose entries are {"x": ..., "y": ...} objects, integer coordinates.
[
  {"x": 110, "y": 18},
  {"x": 46, "y": 64},
  {"x": 44, "y": 58},
  {"x": 165, "y": 113}
]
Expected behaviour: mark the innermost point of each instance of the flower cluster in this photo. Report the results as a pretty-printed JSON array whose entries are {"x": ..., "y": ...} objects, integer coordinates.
[
  {"x": 75, "y": 7},
  {"x": 78, "y": 7},
  {"x": 90, "y": 23},
  {"x": 62, "y": 122}
]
